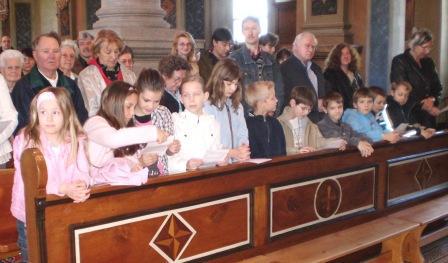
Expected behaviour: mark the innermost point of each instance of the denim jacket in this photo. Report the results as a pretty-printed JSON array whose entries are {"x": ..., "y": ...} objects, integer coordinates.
[{"x": 270, "y": 71}]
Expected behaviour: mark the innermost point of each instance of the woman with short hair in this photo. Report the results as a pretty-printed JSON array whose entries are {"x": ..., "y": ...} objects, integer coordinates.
[
  {"x": 69, "y": 53},
  {"x": 416, "y": 67},
  {"x": 11, "y": 63},
  {"x": 103, "y": 69}
]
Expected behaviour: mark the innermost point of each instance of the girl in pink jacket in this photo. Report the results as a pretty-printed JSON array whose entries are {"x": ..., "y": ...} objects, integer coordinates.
[{"x": 55, "y": 130}]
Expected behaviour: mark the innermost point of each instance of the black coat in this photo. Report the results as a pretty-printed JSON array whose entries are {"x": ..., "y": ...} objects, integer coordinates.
[
  {"x": 294, "y": 74},
  {"x": 337, "y": 80},
  {"x": 424, "y": 80},
  {"x": 170, "y": 102},
  {"x": 266, "y": 137},
  {"x": 29, "y": 85}
]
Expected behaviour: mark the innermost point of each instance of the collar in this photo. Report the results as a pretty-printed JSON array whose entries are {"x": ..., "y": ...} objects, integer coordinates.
[
  {"x": 108, "y": 76},
  {"x": 38, "y": 81}
]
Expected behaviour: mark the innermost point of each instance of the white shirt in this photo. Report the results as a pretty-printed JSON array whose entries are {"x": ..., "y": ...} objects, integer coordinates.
[
  {"x": 197, "y": 135},
  {"x": 53, "y": 82}
]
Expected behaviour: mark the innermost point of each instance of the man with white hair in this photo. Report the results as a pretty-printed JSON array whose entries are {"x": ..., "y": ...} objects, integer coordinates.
[
  {"x": 256, "y": 64},
  {"x": 299, "y": 70}
]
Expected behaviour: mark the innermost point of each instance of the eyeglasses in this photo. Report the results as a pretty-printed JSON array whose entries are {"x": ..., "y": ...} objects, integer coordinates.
[{"x": 184, "y": 44}]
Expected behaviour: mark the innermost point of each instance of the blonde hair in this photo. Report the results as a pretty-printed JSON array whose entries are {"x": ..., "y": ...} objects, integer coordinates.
[
  {"x": 71, "y": 127},
  {"x": 106, "y": 36},
  {"x": 191, "y": 56},
  {"x": 258, "y": 91}
]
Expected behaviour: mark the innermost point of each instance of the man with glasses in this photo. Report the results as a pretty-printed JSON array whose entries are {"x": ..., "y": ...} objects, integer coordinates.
[
  {"x": 256, "y": 64},
  {"x": 47, "y": 53},
  {"x": 85, "y": 44},
  {"x": 173, "y": 70},
  {"x": 220, "y": 47},
  {"x": 299, "y": 70}
]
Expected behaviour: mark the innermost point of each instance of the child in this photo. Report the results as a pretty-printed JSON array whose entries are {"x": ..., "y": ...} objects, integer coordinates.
[
  {"x": 197, "y": 131},
  {"x": 148, "y": 111},
  {"x": 362, "y": 121},
  {"x": 55, "y": 130},
  {"x": 332, "y": 127},
  {"x": 398, "y": 113},
  {"x": 379, "y": 101},
  {"x": 301, "y": 134},
  {"x": 225, "y": 104},
  {"x": 266, "y": 136},
  {"x": 113, "y": 141}
]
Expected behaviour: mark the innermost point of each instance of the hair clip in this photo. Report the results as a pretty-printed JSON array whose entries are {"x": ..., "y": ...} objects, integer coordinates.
[
  {"x": 45, "y": 96},
  {"x": 131, "y": 88}
]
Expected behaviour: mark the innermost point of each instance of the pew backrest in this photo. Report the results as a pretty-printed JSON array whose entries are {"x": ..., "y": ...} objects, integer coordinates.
[{"x": 8, "y": 232}]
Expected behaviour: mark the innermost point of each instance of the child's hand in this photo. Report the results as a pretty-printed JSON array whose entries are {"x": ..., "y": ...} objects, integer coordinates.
[
  {"x": 135, "y": 167},
  {"x": 392, "y": 137},
  {"x": 147, "y": 159},
  {"x": 427, "y": 103},
  {"x": 427, "y": 133},
  {"x": 365, "y": 148},
  {"x": 241, "y": 153},
  {"x": 173, "y": 148},
  {"x": 76, "y": 190},
  {"x": 434, "y": 111},
  {"x": 306, "y": 149},
  {"x": 342, "y": 145},
  {"x": 161, "y": 135},
  {"x": 224, "y": 162},
  {"x": 194, "y": 164}
]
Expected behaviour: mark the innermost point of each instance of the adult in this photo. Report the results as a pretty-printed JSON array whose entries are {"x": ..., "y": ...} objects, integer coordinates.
[
  {"x": 220, "y": 46},
  {"x": 69, "y": 53},
  {"x": 126, "y": 58},
  {"x": 417, "y": 68},
  {"x": 185, "y": 47},
  {"x": 11, "y": 63},
  {"x": 85, "y": 41},
  {"x": 28, "y": 60},
  {"x": 269, "y": 42},
  {"x": 103, "y": 69},
  {"x": 256, "y": 64},
  {"x": 8, "y": 120},
  {"x": 299, "y": 70},
  {"x": 173, "y": 69},
  {"x": 5, "y": 43},
  {"x": 47, "y": 53},
  {"x": 342, "y": 72}
]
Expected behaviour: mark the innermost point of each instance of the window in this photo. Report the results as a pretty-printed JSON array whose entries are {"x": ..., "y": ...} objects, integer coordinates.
[{"x": 245, "y": 8}]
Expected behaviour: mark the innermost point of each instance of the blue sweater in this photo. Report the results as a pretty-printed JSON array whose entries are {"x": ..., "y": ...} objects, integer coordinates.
[{"x": 364, "y": 124}]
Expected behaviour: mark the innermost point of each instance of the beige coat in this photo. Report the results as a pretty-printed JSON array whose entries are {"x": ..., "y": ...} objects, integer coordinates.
[
  {"x": 313, "y": 137},
  {"x": 91, "y": 84}
]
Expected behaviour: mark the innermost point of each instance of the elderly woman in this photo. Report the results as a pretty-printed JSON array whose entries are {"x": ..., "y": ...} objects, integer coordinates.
[
  {"x": 11, "y": 63},
  {"x": 69, "y": 53},
  {"x": 185, "y": 46},
  {"x": 415, "y": 67},
  {"x": 103, "y": 69},
  {"x": 8, "y": 122},
  {"x": 342, "y": 72}
]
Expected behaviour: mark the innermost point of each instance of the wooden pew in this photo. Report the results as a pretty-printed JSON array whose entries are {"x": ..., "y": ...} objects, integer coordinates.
[
  {"x": 236, "y": 212},
  {"x": 8, "y": 232}
]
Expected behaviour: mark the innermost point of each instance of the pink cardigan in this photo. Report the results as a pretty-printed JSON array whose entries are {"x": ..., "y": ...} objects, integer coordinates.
[
  {"x": 103, "y": 139},
  {"x": 58, "y": 171}
]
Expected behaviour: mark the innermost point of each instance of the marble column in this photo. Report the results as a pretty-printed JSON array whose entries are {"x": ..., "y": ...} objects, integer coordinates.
[{"x": 140, "y": 24}]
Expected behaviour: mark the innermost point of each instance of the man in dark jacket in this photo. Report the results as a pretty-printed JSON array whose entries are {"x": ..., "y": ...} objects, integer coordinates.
[
  {"x": 256, "y": 64},
  {"x": 47, "y": 53},
  {"x": 219, "y": 49},
  {"x": 299, "y": 70}
]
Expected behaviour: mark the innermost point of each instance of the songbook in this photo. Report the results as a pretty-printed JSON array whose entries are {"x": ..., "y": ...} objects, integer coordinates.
[
  {"x": 158, "y": 148},
  {"x": 213, "y": 157}
]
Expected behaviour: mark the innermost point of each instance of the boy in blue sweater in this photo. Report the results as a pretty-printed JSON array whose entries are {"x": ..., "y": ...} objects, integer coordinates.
[
  {"x": 266, "y": 138},
  {"x": 362, "y": 120}
]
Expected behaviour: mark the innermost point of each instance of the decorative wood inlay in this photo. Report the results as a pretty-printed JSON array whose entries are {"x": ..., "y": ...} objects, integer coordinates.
[
  {"x": 416, "y": 175},
  {"x": 299, "y": 205},
  {"x": 176, "y": 235}
]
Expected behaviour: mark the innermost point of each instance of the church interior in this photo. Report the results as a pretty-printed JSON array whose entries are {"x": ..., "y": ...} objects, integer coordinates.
[{"x": 322, "y": 206}]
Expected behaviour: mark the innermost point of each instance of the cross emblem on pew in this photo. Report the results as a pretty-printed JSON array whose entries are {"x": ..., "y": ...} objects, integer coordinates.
[{"x": 328, "y": 197}]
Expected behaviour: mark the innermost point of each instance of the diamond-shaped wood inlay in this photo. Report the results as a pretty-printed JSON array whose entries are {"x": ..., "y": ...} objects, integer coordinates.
[
  {"x": 423, "y": 174},
  {"x": 173, "y": 237}
]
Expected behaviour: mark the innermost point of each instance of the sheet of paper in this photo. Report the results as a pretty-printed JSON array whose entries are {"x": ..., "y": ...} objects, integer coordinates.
[
  {"x": 213, "y": 157},
  {"x": 158, "y": 148},
  {"x": 3, "y": 125},
  {"x": 402, "y": 128},
  {"x": 444, "y": 109}
]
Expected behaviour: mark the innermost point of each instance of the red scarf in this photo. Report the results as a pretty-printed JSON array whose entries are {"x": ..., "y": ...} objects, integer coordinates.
[{"x": 100, "y": 69}]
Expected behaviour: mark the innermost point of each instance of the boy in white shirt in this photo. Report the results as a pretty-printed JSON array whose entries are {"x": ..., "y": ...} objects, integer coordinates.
[{"x": 197, "y": 131}]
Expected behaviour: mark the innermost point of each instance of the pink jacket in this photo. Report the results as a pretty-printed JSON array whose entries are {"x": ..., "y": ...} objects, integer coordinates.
[
  {"x": 58, "y": 171},
  {"x": 103, "y": 139}
]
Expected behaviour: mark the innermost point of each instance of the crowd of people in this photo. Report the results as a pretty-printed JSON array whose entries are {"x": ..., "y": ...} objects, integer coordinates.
[{"x": 96, "y": 122}]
